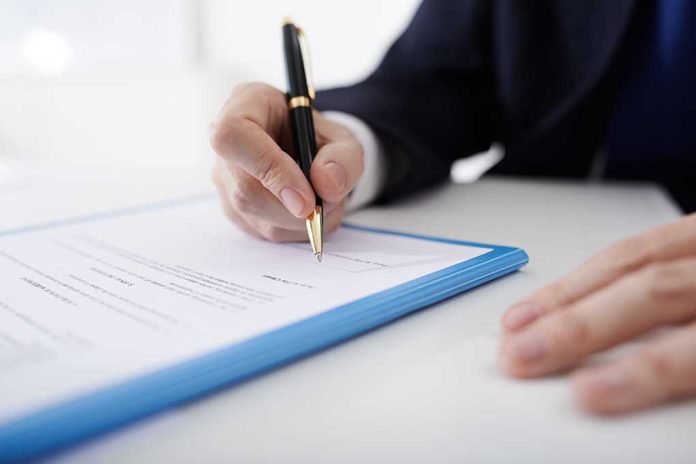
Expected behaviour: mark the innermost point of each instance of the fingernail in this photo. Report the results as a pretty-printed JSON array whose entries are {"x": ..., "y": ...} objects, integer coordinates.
[
  {"x": 338, "y": 175},
  {"x": 293, "y": 201},
  {"x": 525, "y": 347},
  {"x": 520, "y": 315}
]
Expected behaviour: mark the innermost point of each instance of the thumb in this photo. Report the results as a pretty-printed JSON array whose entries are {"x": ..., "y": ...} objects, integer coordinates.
[{"x": 336, "y": 169}]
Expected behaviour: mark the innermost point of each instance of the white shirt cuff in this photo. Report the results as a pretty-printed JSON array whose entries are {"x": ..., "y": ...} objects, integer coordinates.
[{"x": 372, "y": 181}]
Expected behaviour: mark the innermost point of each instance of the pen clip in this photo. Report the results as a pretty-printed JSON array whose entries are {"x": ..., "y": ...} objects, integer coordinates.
[{"x": 306, "y": 62}]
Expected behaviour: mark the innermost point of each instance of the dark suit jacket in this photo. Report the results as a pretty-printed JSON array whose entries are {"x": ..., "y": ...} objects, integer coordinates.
[{"x": 538, "y": 75}]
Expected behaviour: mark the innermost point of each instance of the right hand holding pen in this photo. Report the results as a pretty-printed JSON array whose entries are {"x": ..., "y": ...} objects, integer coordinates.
[{"x": 261, "y": 187}]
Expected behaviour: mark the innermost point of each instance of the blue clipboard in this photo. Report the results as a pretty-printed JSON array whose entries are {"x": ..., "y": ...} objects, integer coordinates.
[{"x": 81, "y": 418}]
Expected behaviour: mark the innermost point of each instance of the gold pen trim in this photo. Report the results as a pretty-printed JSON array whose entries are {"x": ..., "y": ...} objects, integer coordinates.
[
  {"x": 298, "y": 102},
  {"x": 315, "y": 230}
]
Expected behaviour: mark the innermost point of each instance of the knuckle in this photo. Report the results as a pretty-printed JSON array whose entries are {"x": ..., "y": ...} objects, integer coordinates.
[
  {"x": 257, "y": 93},
  {"x": 273, "y": 233},
  {"x": 269, "y": 169},
  {"x": 241, "y": 200},
  {"x": 222, "y": 136},
  {"x": 217, "y": 139},
  {"x": 570, "y": 330},
  {"x": 239, "y": 88},
  {"x": 560, "y": 293},
  {"x": 664, "y": 282},
  {"x": 626, "y": 255},
  {"x": 657, "y": 239},
  {"x": 657, "y": 364}
]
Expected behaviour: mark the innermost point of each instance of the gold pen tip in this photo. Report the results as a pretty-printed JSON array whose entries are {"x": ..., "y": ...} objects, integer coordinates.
[
  {"x": 318, "y": 255},
  {"x": 287, "y": 20}
]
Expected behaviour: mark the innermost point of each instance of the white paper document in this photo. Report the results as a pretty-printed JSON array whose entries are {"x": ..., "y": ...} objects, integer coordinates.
[{"x": 88, "y": 304}]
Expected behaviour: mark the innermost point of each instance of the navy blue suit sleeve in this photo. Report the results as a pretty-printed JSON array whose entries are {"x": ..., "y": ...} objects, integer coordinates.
[{"x": 431, "y": 99}]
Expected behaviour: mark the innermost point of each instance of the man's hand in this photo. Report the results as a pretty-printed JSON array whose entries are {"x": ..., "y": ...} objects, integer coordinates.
[
  {"x": 633, "y": 287},
  {"x": 261, "y": 187}
]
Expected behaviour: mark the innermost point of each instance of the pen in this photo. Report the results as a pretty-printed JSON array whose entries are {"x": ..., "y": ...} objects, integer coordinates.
[{"x": 300, "y": 96}]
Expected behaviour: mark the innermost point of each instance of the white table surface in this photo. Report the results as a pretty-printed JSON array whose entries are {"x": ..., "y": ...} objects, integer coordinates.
[{"x": 425, "y": 388}]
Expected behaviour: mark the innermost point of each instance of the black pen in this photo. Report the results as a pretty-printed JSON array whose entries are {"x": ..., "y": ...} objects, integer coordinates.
[{"x": 300, "y": 96}]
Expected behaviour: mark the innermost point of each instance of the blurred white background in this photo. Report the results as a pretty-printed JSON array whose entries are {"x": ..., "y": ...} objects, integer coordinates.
[
  {"x": 138, "y": 81},
  {"x": 134, "y": 84}
]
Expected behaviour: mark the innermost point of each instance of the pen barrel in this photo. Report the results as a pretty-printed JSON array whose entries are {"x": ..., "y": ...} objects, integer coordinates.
[
  {"x": 294, "y": 64},
  {"x": 304, "y": 139}
]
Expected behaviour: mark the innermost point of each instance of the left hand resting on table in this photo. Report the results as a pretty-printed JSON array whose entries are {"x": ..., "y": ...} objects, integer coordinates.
[{"x": 629, "y": 289}]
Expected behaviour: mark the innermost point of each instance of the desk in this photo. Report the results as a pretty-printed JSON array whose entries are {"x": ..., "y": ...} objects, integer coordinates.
[{"x": 425, "y": 388}]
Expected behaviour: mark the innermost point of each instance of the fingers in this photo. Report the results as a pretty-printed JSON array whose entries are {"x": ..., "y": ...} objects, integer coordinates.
[
  {"x": 244, "y": 137},
  {"x": 659, "y": 294},
  {"x": 255, "y": 211},
  {"x": 268, "y": 231},
  {"x": 657, "y": 245},
  {"x": 264, "y": 189},
  {"x": 662, "y": 371},
  {"x": 249, "y": 198},
  {"x": 227, "y": 208}
]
